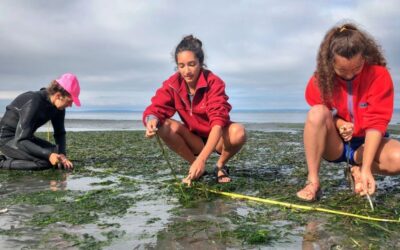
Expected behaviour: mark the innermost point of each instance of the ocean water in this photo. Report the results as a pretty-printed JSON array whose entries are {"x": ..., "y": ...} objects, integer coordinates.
[
  {"x": 132, "y": 120},
  {"x": 244, "y": 116}
]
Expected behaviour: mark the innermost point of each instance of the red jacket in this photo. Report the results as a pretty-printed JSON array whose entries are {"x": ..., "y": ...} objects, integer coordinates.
[
  {"x": 366, "y": 101},
  {"x": 209, "y": 107}
]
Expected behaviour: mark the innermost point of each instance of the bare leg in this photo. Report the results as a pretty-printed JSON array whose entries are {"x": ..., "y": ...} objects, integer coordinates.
[
  {"x": 186, "y": 144},
  {"x": 232, "y": 140},
  {"x": 180, "y": 140},
  {"x": 386, "y": 161},
  {"x": 387, "y": 158},
  {"x": 321, "y": 139}
]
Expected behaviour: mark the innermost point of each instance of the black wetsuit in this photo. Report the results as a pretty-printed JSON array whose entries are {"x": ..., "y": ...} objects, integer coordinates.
[{"x": 21, "y": 149}]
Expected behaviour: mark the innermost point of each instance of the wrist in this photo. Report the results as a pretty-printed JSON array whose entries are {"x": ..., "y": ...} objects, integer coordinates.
[
  {"x": 365, "y": 168},
  {"x": 53, "y": 155},
  {"x": 201, "y": 158}
]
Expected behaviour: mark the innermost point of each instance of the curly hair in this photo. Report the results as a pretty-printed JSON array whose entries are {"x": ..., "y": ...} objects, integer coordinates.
[{"x": 346, "y": 41}]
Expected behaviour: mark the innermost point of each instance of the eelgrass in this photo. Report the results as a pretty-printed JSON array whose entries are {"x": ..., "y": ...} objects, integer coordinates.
[{"x": 164, "y": 153}]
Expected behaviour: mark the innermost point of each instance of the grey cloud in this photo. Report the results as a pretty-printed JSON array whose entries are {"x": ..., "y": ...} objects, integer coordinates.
[{"x": 122, "y": 50}]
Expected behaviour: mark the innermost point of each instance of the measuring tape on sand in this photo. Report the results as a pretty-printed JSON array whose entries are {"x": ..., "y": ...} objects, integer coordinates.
[{"x": 296, "y": 206}]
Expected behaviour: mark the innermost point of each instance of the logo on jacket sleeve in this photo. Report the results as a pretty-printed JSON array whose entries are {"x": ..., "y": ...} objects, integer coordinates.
[{"x": 363, "y": 104}]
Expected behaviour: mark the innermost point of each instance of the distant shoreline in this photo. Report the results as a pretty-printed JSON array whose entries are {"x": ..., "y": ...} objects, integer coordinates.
[
  {"x": 256, "y": 116},
  {"x": 262, "y": 121},
  {"x": 111, "y": 125},
  {"x": 117, "y": 125}
]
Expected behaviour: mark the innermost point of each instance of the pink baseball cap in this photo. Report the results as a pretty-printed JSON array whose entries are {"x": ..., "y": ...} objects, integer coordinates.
[{"x": 70, "y": 83}]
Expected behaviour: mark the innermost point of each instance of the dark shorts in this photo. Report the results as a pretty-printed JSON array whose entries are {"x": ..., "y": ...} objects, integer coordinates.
[
  {"x": 204, "y": 139},
  {"x": 350, "y": 148}
]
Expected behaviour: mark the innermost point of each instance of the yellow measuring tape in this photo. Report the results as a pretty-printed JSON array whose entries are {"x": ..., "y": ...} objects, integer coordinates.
[
  {"x": 295, "y": 206},
  {"x": 273, "y": 202}
]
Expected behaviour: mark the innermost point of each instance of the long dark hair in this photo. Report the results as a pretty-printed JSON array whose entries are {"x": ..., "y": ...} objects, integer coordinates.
[
  {"x": 191, "y": 43},
  {"x": 347, "y": 41}
]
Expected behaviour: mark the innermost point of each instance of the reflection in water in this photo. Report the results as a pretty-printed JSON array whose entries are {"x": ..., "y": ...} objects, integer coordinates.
[
  {"x": 59, "y": 183},
  {"x": 137, "y": 228},
  {"x": 310, "y": 238},
  {"x": 317, "y": 237},
  {"x": 27, "y": 183},
  {"x": 198, "y": 228},
  {"x": 150, "y": 223},
  {"x": 14, "y": 220}
]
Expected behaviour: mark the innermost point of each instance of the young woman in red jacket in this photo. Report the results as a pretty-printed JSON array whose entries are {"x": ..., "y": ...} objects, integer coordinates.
[
  {"x": 200, "y": 100},
  {"x": 351, "y": 98}
]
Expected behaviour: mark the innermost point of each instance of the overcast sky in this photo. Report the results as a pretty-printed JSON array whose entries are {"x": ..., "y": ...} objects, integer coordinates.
[{"x": 121, "y": 51}]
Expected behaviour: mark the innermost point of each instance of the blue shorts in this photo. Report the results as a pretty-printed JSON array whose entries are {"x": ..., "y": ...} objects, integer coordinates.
[{"x": 348, "y": 150}]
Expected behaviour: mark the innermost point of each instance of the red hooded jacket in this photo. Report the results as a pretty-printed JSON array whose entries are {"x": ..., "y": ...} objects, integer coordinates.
[
  {"x": 366, "y": 101},
  {"x": 209, "y": 107}
]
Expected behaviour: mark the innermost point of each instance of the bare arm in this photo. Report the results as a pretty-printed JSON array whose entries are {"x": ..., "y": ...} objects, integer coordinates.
[
  {"x": 199, "y": 165},
  {"x": 372, "y": 140}
]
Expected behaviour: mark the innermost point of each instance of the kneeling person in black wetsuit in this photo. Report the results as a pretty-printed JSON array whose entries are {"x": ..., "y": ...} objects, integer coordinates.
[{"x": 20, "y": 148}]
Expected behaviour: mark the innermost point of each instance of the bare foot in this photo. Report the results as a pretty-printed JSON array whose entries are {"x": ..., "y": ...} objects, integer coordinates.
[
  {"x": 356, "y": 174},
  {"x": 310, "y": 192}
]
